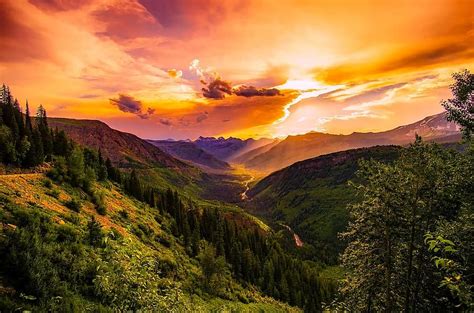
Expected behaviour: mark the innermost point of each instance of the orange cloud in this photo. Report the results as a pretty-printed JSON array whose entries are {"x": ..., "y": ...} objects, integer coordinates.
[{"x": 392, "y": 67}]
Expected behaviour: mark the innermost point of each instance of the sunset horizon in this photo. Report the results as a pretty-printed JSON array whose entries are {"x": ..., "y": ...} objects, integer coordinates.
[
  {"x": 245, "y": 69},
  {"x": 290, "y": 156}
]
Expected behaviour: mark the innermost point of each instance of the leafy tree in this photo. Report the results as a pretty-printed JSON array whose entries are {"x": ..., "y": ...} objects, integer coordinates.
[
  {"x": 389, "y": 269},
  {"x": 460, "y": 108},
  {"x": 213, "y": 268}
]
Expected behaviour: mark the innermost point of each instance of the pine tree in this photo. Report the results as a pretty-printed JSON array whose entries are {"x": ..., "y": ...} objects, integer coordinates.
[{"x": 28, "y": 125}]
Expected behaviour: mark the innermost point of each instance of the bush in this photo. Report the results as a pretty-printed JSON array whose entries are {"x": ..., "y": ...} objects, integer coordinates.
[
  {"x": 47, "y": 183},
  {"x": 53, "y": 193},
  {"x": 123, "y": 214},
  {"x": 98, "y": 198},
  {"x": 74, "y": 204},
  {"x": 59, "y": 171},
  {"x": 95, "y": 235}
]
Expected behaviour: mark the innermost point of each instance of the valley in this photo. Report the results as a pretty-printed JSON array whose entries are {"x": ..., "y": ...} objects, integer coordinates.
[{"x": 95, "y": 219}]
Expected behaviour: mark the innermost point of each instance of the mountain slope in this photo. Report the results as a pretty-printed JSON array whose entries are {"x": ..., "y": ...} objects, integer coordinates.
[
  {"x": 55, "y": 263},
  {"x": 124, "y": 149},
  {"x": 189, "y": 151},
  {"x": 247, "y": 156},
  {"x": 297, "y": 148},
  {"x": 311, "y": 196}
]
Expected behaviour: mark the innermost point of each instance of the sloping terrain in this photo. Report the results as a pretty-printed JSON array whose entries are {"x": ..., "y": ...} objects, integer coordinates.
[
  {"x": 124, "y": 149},
  {"x": 297, "y": 148},
  {"x": 311, "y": 196},
  {"x": 138, "y": 263},
  {"x": 189, "y": 151},
  {"x": 249, "y": 155},
  {"x": 158, "y": 167}
]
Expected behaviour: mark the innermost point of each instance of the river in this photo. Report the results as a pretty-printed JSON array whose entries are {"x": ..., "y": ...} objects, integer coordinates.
[
  {"x": 243, "y": 195},
  {"x": 298, "y": 241}
]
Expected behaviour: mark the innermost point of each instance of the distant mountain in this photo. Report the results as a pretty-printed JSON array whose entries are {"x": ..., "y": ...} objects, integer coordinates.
[
  {"x": 189, "y": 151},
  {"x": 311, "y": 196},
  {"x": 245, "y": 157},
  {"x": 297, "y": 148},
  {"x": 227, "y": 148},
  {"x": 124, "y": 149}
]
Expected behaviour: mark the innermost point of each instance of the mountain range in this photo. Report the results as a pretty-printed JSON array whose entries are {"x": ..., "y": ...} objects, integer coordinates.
[
  {"x": 191, "y": 152},
  {"x": 301, "y": 147}
]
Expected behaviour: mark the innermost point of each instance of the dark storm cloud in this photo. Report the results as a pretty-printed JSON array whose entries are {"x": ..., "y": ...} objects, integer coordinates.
[
  {"x": 251, "y": 91},
  {"x": 217, "y": 89},
  {"x": 129, "y": 104}
]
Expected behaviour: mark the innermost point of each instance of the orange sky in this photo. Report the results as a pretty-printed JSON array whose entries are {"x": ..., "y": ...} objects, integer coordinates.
[{"x": 180, "y": 69}]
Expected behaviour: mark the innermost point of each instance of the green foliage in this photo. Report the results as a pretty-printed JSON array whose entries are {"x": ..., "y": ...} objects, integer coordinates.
[
  {"x": 213, "y": 269},
  {"x": 53, "y": 193},
  {"x": 460, "y": 108},
  {"x": 95, "y": 235},
  {"x": 74, "y": 204},
  {"x": 388, "y": 266},
  {"x": 47, "y": 183},
  {"x": 454, "y": 258}
]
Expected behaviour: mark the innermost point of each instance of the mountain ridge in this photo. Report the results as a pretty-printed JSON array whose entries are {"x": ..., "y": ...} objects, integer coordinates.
[
  {"x": 124, "y": 149},
  {"x": 301, "y": 147}
]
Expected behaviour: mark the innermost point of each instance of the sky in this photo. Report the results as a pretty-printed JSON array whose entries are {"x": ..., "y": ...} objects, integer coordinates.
[{"x": 182, "y": 69}]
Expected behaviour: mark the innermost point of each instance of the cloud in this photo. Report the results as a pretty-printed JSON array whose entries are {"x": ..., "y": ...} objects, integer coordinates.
[
  {"x": 165, "y": 122},
  {"x": 217, "y": 89},
  {"x": 251, "y": 91},
  {"x": 14, "y": 27},
  {"x": 129, "y": 104},
  {"x": 174, "y": 73},
  {"x": 60, "y": 5},
  {"x": 415, "y": 59},
  {"x": 201, "y": 117}
]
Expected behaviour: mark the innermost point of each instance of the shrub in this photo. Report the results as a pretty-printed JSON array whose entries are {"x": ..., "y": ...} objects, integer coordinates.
[
  {"x": 98, "y": 198},
  {"x": 123, "y": 214},
  {"x": 53, "y": 193},
  {"x": 47, "y": 183},
  {"x": 74, "y": 204},
  {"x": 95, "y": 235}
]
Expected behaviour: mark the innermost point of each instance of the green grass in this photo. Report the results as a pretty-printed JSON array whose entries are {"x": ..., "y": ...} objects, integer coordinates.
[{"x": 139, "y": 265}]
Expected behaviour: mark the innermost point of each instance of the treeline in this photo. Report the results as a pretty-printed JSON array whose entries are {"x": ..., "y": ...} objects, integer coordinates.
[
  {"x": 252, "y": 255},
  {"x": 26, "y": 141},
  {"x": 249, "y": 253},
  {"x": 411, "y": 237}
]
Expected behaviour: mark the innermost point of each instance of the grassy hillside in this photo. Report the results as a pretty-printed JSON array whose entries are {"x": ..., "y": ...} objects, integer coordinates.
[
  {"x": 157, "y": 167},
  {"x": 311, "y": 196},
  {"x": 52, "y": 261}
]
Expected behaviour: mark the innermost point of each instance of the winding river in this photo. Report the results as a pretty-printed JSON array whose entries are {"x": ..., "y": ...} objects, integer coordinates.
[
  {"x": 298, "y": 241},
  {"x": 243, "y": 195}
]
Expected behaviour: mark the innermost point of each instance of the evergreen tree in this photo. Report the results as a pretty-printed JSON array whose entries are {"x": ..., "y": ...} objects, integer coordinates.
[{"x": 28, "y": 125}]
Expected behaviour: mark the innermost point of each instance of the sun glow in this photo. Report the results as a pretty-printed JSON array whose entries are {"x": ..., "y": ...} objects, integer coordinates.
[
  {"x": 301, "y": 84},
  {"x": 307, "y": 89}
]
